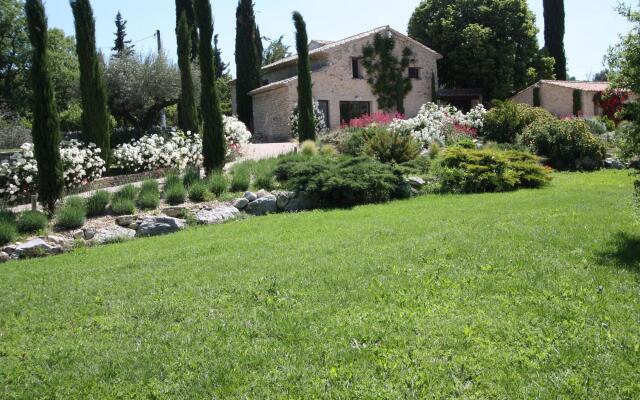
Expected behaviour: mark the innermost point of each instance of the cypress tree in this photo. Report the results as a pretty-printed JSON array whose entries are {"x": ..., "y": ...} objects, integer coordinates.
[
  {"x": 554, "y": 30},
  {"x": 187, "y": 7},
  {"x": 121, "y": 44},
  {"x": 305, "y": 97},
  {"x": 46, "y": 125},
  {"x": 221, "y": 66},
  {"x": 248, "y": 60},
  {"x": 95, "y": 116},
  {"x": 187, "y": 111},
  {"x": 213, "y": 141}
]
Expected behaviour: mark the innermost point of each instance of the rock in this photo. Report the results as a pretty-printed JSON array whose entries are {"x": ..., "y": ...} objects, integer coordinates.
[
  {"x": 4, "y": 257},
  {"x": 59, "y": 241},
  {"x": 416, "y": 182},
  {"x": 263, "y": 193},
  {"x": 250, "y": 196},
  {"x": 263, "y": 206},
  {"x": 9, "y": 249},
  {"x": 112, "y": 234},
  {"x": 217, "y": 216},
  {"x": 36, "y": 248},
  {"x": 134, "y": 226},
  {"x": 300, "y": 202},
  {"x": 89, "y": 233},
  {"x": 283, "y": 198},
  {"x": 154, "y": 226},
  {"x": 241, "y": 203},
  {"x": 176, "y": 212},
  {"x": 613, "y": 163},
  {"x": 78, "y": 234},
  {"x": 125, "y": 220}
]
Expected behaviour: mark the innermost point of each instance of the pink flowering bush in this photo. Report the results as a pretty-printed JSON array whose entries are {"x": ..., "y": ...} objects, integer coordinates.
[{"x": 379, "y": 118}]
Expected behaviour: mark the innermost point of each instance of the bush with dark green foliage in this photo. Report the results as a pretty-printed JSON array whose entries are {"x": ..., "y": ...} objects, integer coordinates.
[
  {"x": 32, "y": 221},
  {"x": 148, "y": 200},
  {"x": 565, "y": 144},
  {"x": 265, "y": 180},
  {"x": 128, "y": 192},
  {"x": 123, "y": 206},
  {"x": 218, "y": 184},
  {"x": 392, "y": 147},
  {"x": 240, "y": 179},
  {"x": 150, "y": 186},
  {"x": 354, "y": 141},
  {"x": 7, "y": 216},
  {"x": 73, "y": 214},
  {"x": 97, "y": 203},
  {"x": 191, "y": 175},
  {"x": 507, "y": 120},
  {"x": 175, "y": 193},
  {"x": 342, "y": 182},
  {"x": 199, "y": 192},
  {"x": 417, "y": 166},
  {"x": 460, "y": 170},
  {"x": 8, "y": 232}
]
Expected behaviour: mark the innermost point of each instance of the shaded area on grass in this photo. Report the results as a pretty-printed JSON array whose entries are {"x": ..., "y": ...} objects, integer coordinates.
[{"x": 623, "y": 250}]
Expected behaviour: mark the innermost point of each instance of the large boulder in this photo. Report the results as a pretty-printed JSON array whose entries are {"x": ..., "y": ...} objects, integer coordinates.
[
  {"x": 110, "y": 234},
  {"x": 416, "y": 182},
  {"x": 241, "y": 203},
  {"x": 263, "y": 206},
  {"x": 613, "y": 163},
  {"x": 251, "y": 196},
  {"x": 217, "y": 215},
  {"x": 263, "y": 193},
  {"x": 126, "y": 220},
  {"x": 37, "y": 248},
  {"x": 155, "y": 226},
  {"x": 4, "y": 257}
]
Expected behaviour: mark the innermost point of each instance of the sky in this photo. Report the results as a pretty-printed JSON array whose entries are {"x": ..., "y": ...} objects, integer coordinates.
[{"x": 592, "y": 25}]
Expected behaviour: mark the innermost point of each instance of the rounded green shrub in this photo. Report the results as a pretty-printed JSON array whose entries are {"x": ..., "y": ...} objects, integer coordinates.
[
  {"x": 354, "y": 141},
  {"x": 328, "y": 150},
  {"x": 309, "y": 148},
  {"x": 198, "y": 192},
  {"x": 392, "y": 147},
  {"x": 148, "y": 200},
  {"x": 240, "y": 179},
  {"x": 97, "y": 203},
  {"x": 506, "y": 121},
  {"x": 175, "y": 194},
  {"x": 218, "y": 184},
  {"x": 123, "y": 206},
  {"x": 565, "y": 144},
  {"x": 72, "y": 215},
  {"x": 8, "y": 232},
  {"x": 32, "y": 221},
  {"x": 265, "y": 180}
]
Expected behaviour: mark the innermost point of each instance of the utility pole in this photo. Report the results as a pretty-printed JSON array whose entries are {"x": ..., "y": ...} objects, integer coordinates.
[{"x": 163, "y": 114}]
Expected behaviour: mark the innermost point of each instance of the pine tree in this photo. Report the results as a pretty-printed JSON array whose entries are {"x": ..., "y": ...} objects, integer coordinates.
[
  {"x": 248, "y": 60},
  {"x": 221, "y": 67},
  {"x": 95, "y": 116},
  {"x": 554, "y": 30},
  {"x": 121, "y": 44},
  {"x": 187, "y": 110},
  {"x": 305, "y": 96},
  {"x": 213, "y": 141},
  {"x": 46, "y": 125},
  {"x": 187, "y": 6}
]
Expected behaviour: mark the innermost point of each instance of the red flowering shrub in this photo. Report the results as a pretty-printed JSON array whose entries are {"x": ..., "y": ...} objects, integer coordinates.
[
  {"x": 612, "y": 102},
  {"x": 379, "y": 118}
]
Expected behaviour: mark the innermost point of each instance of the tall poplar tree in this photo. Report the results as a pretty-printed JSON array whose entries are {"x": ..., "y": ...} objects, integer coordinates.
[
  {"x": 95, "y": 116},
  {"x": 305, "y": 97},
  {"x": 187, "y": 110},
  {"x": 46, "y": 125},
  {"x": 213, "y": 142},
  {"x": 554, "y": 30},
  {"x": 248, "y": 60}
]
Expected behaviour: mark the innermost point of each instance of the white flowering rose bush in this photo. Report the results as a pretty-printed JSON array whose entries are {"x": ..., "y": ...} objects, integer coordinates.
[
  {"x": 19, "y": 175},
  {"x": 433, "y": 123},
  {"x": 318, "y": 117},
  {"x": 179, "y": 150}
]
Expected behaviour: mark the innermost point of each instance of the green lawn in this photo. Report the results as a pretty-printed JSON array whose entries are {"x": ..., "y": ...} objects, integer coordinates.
[{"x": 533, "y": 294}]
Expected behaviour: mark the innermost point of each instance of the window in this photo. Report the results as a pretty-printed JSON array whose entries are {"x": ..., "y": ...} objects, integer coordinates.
[
  {"x": 324, "y": 107},
  {"x": 356, "y": 68},
  {"x": 353, "y": 109},
  {"x": 414, "y": 73}
]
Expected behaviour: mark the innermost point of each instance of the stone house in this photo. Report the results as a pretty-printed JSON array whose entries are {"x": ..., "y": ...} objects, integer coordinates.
[
  {"x": 339, "y": 83},
  {"x": 557, "y": 96}
]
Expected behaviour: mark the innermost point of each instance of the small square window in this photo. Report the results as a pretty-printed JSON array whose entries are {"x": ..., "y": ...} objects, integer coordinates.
[
  {"x": 356, "y": 68},
  {"x": 414, "y": 73}
]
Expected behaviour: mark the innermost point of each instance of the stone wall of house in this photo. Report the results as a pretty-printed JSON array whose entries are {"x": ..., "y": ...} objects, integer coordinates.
[
  {"x": 559, "y": 100},
  {"x": 335, "y": 83}
]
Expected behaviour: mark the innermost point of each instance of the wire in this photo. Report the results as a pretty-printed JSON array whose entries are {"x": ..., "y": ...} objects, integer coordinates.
[{"x": 134, "y": 42}]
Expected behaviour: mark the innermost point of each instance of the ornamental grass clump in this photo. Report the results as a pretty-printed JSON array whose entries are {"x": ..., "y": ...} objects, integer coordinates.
[
  {"x": 149, "y": 196},
  {"x": 309, "y": 148},
  {"x": 32, "y": 221},
  {"x": 122, "y": 206},
  {"x": 218, "y": 184},
  {"x": 265, "y": 180},
  {"x": 172, "y": 177},
  {"x": 7, "y": 216},
  {"x": 8, "y": 232},
  {"x": 191, "y": 176},
  {"x": 72, "y": 215},
  {"x": 240, "y": 179},
  {"x": 128, "y": 192},
  {"x": 97, "y": 203},
  {"x": 175, "y": 193},
  {"x": 199, "y": 192}
]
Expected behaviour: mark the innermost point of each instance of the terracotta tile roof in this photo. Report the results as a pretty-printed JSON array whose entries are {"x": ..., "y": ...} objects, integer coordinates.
[{"x": 580, "y": 85}]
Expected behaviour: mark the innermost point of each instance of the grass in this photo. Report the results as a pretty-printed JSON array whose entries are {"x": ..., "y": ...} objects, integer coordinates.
[{"x": 532, "y": 294}]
